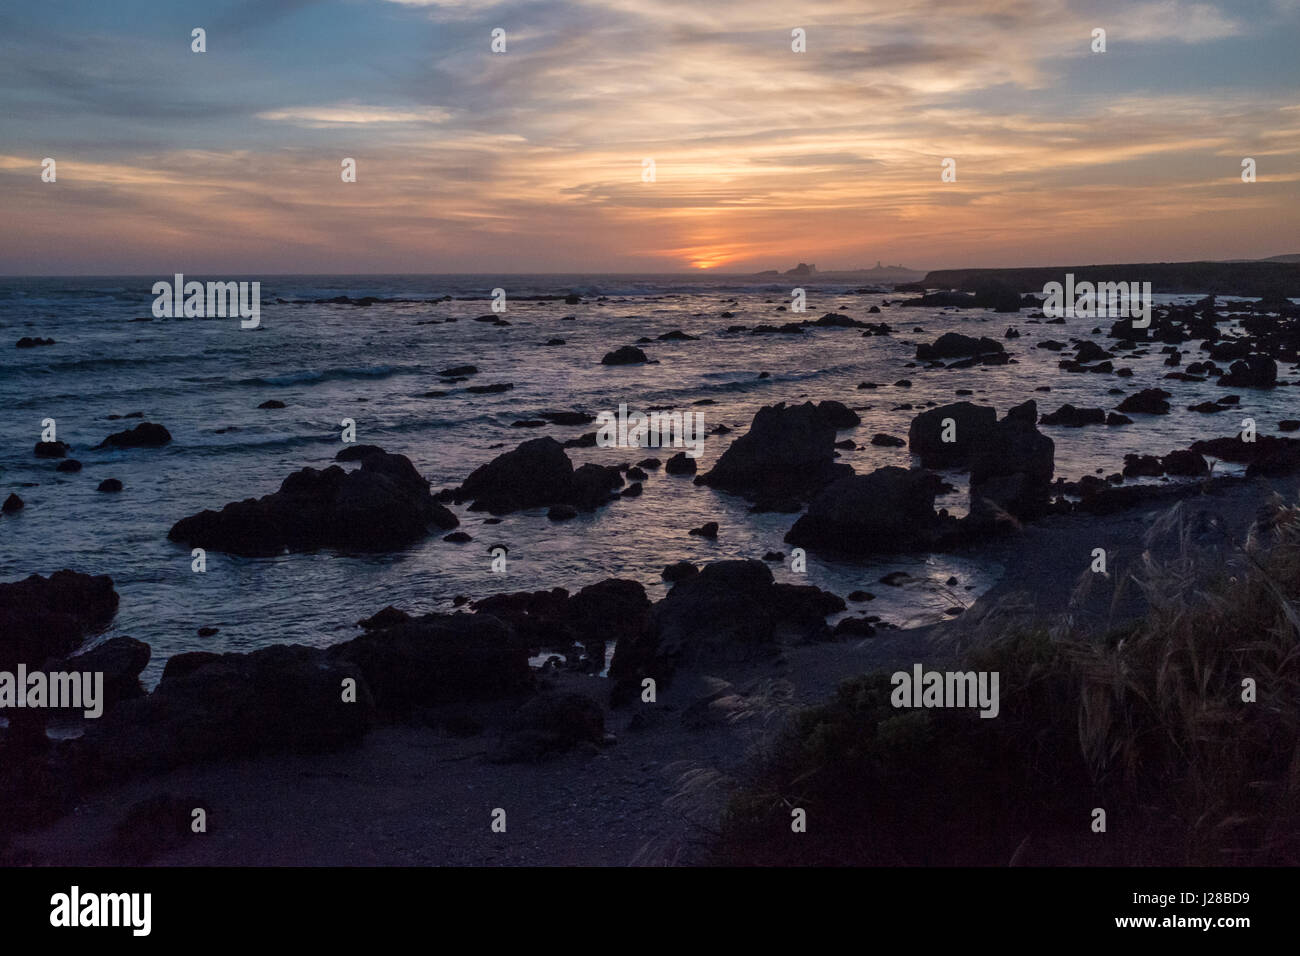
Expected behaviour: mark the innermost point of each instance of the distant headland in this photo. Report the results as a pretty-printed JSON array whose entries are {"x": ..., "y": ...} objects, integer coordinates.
[{"x": 881, "y": 273}]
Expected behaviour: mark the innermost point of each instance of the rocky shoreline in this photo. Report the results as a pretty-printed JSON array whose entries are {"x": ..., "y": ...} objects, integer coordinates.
[
  {"x": 450, "y": 723},
  {"x": 693, "y": 677}
]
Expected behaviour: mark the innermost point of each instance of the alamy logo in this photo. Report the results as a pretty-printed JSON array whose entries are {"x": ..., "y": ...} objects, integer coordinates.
[
  {"x": 1119, "y": 300},
  {"x": 946, "y": 689},
  {"x": 655, "y": 430},
  {"x": 191, "y": 300},
  {"x": 73, "y": 909},
  {"x": 77, "y": 690}
]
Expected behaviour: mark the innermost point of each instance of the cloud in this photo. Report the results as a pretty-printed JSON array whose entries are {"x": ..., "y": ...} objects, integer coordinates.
[
  {"x": 322, "y": 117},
  {"x": 532, "y": 158}
]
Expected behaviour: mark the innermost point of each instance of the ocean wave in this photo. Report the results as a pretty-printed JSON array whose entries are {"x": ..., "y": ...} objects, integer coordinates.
[{"x": 314, "y": 376}]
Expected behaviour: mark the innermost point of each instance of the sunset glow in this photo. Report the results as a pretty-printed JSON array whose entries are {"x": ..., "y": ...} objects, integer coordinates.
[{"x": 531, "y": 160}]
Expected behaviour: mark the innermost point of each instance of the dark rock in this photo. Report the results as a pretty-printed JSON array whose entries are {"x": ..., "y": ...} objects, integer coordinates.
[
  {"x": 50, "y": 617},
  {"x": 627, "y": 355},
  {"x": 1091, "y": 352},
  {"x": 972, "y": 425},
  {"x": 272, "y": 403},
  {"x": 1142, "y": 466},
  {"x": 1011, "y": 470},
  {"x": 730, "y": 610},
  {"x": 1254, "y": 371},
  {"x": 1151, "y": 401},
  {"x": 120, "y": 660},
  {"x": 1075, "y": 417},
  {"x": 382, "y": 506},
  {"x": 787, "y": 452},
  {"x": 490, "y": 389},
  {"x": 457, "y": 537},
  {"x": 231, "y": 706},
  {"x": 854, "y": 627},
  {"x": 69, "y": 465},
  {"x": 838, "y": 415},
  {"x": 891, "y": 509},
  {"x": 536, "y": 473},
  {"x": 389, "y": 617},
  {"x": 358, "y": 452},
  {"x": 955, "y": 345},
  {"x": 29, "y": 342},
  {"x": 12, "y": 504},
  {"x": 942, "y": 299},
  {"x": 1115, "y": 418},
  {"x": 1266, "y": 455},
  {"x": 708, "y": 530},
  {"x": 51, "y": 449},
  {"x": 593, "y": 486},
  {"x": 110, "y": 484},
  {"x": 1187, "y": 463},
  {"x": 144, "y": 435},
  {"x": 567, "y": 418},
  {"x": 436, "y": 659},
  {"x": 835, "y": 320},
  {"x": 679, "y": 571}
]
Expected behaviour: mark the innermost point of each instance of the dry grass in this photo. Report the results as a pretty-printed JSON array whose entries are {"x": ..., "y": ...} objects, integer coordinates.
[{"x": 1149, "y": 722}]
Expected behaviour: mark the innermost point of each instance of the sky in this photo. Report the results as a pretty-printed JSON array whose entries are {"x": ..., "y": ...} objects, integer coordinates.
[{"x": 536, "y": 159}]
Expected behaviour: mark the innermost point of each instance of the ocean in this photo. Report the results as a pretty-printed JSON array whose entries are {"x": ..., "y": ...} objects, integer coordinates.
[{"x": 205, "y": 378}]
